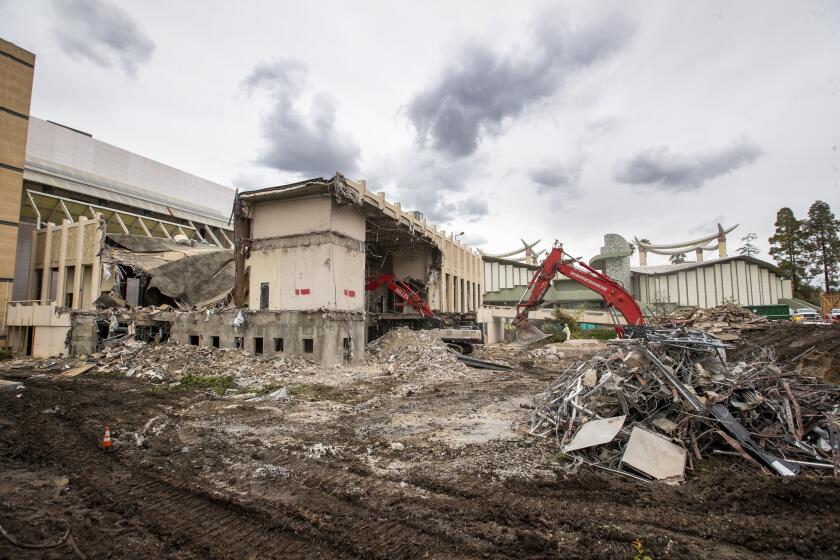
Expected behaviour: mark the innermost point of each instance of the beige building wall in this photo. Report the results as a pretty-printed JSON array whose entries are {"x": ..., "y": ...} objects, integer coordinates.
[
  {"x": 310, "y": 253},
  {"x": 17, "y": 68}
]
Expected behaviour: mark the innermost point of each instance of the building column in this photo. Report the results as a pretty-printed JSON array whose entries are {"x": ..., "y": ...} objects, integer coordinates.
[
  {"x": 62, "y": 264},
  {"x": 699, "y": 252},
  {"x": 46, "y": 271},
  {"x": 96, "y": 267},
  {"x": 30, "y": 291},
  {"x": 78, "y": 271}
]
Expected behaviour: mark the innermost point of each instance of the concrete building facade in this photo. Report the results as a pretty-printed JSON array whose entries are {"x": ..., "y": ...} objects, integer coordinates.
[{"x": 17, "y": 69}]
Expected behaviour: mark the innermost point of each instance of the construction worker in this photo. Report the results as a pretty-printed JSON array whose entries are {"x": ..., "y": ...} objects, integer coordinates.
[{"x": 567, "y": 334}]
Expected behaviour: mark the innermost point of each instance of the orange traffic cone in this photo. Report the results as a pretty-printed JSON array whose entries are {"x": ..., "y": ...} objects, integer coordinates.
[{"x": 105, "y": 442}]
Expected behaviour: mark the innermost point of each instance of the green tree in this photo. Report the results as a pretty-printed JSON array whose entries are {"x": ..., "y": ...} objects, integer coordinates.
[
  {"x": 786, "y": 247},
  {"x": 747, "y": 248},
  {"x": 821, "y": 237},
  {"x": 679, "y": 258}
]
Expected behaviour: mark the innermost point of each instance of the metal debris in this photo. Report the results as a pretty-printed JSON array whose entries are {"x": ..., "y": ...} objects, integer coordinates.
[{"x": 674, "y": 382}]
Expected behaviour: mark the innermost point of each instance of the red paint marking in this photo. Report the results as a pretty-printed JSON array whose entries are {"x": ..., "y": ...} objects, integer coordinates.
[{"x": 304, "y": 291}]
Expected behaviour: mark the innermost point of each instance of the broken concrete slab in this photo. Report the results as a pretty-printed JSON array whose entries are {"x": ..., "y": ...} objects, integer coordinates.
[
  {"x": 9, "y": 386},
  {"x": 595, "y": 432},
  {"x": 654, "y": 455}
]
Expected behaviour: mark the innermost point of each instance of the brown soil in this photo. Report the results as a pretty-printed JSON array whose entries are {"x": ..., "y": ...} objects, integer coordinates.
[
  {"x": 789, "y": 340},
  {"x": 194, "y": 476}
]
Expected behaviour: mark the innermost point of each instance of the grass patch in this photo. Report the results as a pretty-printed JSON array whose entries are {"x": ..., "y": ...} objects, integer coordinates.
[
  {"x": 317, "y": 392},
  {"x": 217, "y": 383},
  {"x": 5, "y": 354}
]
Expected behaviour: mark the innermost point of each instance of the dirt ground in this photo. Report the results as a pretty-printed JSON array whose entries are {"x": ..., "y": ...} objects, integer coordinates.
[{"x": 364, "y": 465}]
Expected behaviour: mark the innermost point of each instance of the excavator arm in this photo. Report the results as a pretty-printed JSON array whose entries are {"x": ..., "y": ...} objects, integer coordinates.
[
  {"x": 614, "y": 294},
  {"x": 402, "y": 291}
]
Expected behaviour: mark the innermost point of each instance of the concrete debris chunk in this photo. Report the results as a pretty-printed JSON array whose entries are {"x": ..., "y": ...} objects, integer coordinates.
[
  {"x": 654, "y": 455},
  {"x": 407, "y": 354},
  {"x": 595, "y": 432}
]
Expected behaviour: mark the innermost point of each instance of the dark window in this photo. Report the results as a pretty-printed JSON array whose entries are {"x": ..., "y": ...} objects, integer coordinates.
[
  {"x": 194, "y": 339},
  {"x": 258, "y": 345},
  {"x": 264, "y": 295},
  {"x": 308, "y": 345},
  {"x": 278, "y": 344},
  {"x": 215, "y": 341},
  {"x": 239, "y": 342},
  {"x": 348, "y": 350}
]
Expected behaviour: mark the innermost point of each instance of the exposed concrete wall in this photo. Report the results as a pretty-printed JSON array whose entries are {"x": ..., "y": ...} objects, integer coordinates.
[
  {"x": 83, "y": 335},
  {"x": 327, "y": 330},
  {"x": 327, "y": 272},
  {"x": 413, "y": 262},
  {"x": 290, "y": 217},
  {"x": 310, "y": 253}
]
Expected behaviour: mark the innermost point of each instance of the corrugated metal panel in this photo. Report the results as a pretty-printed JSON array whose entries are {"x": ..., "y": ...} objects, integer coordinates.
[{"x": 691, "y": 283}]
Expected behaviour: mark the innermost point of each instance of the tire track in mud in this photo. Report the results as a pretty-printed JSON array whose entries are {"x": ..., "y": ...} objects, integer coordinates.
[{"x": 183, "y": 518}]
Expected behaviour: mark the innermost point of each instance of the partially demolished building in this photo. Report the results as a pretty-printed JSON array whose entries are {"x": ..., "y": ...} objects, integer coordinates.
[{"x": 304, "y": 251}]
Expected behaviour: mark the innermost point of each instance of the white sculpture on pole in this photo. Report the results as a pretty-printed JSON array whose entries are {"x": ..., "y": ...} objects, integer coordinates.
[{"x": 697, "y": 245}]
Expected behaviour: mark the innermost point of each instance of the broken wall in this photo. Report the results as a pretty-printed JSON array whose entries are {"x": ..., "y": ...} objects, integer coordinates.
[{"x": 310, "y": 254}]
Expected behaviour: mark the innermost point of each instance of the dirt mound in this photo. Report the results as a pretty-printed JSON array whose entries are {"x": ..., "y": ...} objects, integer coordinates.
[{"x": 404, "y": 352}]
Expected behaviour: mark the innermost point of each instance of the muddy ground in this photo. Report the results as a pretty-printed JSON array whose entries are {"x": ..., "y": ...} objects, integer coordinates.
[{"x": 365, "y": 465}]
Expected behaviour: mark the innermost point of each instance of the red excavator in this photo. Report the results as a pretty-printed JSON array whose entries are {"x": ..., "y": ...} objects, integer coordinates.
[
  {"x": 614, "y": 294},
  {"x": 403, "y": 291},
  {"x": 460, "y": 339}
]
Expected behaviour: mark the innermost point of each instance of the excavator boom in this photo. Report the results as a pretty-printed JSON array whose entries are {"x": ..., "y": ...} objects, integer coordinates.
[
  {"x": 615, "y": 296},
  {"x": 403, "y": 291}
]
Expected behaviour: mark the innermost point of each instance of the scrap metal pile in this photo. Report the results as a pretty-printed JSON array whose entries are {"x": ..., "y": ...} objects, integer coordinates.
[
  {"x": 726, "y": 322},
  {"x": 650, "y": 406}
]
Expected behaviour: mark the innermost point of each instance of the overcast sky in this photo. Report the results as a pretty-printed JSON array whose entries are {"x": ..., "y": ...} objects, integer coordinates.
[{"x": 555, "y": 121}]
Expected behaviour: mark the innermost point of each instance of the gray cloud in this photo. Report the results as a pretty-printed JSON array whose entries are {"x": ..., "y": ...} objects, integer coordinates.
[
  {"x": 283, "y": 73},
  {"x": 102, "y": 33},
  {"x": 307, "y": 142},
  {"x": 481, "y": 89},
  {"x": 556, "y": 178},
  {"x": 422, "y": 180},
  {"x": 472, "y": 209},
  {"x": 670, "y": 171}
]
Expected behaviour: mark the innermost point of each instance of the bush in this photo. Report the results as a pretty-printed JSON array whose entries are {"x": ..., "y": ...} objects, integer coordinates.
[{"x": 5, "y": 354}]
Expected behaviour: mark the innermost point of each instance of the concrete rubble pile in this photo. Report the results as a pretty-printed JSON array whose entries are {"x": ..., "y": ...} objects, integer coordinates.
[
  {"x": 403, "y": 352},
  {"x": 724, "y": 321},
  {"x": 171, "y": 362},
  {"x": 650, "y": 406}
]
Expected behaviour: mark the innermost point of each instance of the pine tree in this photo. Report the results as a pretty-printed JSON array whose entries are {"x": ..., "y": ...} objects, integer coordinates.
[
  {"x": 748, "y": 249},
  {"x": 786, "y": 247},
  {"x": 679, "y": 258},
  {"x": 821, "y": 235}
]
